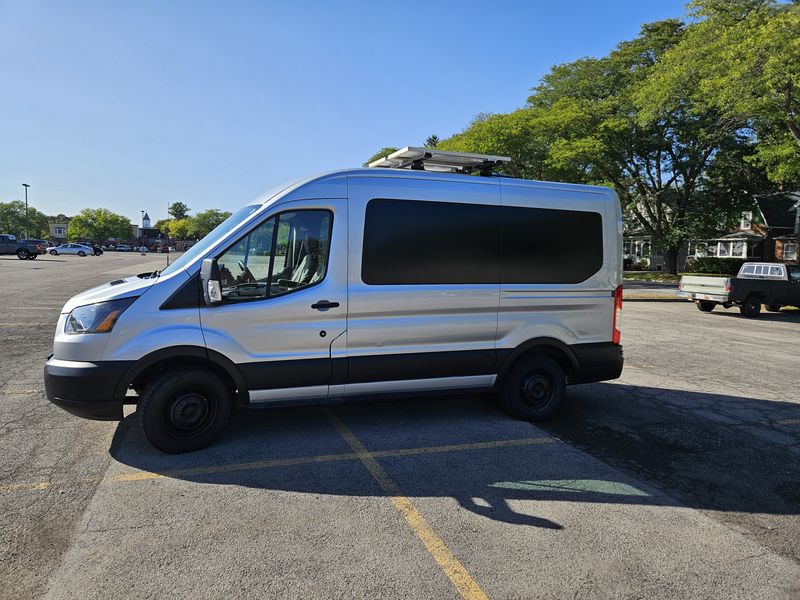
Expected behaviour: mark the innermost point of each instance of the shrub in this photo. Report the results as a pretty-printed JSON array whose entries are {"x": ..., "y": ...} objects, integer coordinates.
[{"x": 717, "y": 265}]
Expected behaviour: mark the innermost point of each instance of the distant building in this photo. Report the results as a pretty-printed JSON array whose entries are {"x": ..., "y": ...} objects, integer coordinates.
[
  {"x": 146, "y": 221},
  {"x": 58, "y": 232}
]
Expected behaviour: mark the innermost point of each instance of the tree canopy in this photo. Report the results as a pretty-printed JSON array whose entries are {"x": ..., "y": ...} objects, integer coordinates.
[
  {"x": 742, "y": 59},
  {"x": 12, "y": 220},
  {"x": 178, "y": 210},
  {"x": 98, "y": 224}
]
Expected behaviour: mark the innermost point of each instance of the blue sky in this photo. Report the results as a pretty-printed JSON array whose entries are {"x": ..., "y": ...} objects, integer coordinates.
[{"x": 131, "y": 105}]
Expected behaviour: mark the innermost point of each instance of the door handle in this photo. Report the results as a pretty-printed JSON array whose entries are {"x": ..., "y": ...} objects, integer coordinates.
[{"x": 324, "y": 304}]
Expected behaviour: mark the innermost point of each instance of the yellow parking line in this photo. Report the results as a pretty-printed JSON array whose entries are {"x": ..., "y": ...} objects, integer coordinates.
[
  {"x": 280, "y": 462},
  {"x": 455, "y": 571}
]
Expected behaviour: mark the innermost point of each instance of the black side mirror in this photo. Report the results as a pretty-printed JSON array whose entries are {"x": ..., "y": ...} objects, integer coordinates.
[{"x": 209, "y": 280}]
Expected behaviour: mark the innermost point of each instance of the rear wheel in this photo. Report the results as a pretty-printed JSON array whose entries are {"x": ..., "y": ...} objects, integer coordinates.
[
  {"x": 53, "y": 252},
  {"x": 23, "y": 254},
  {"x": 81, "y": 253},
  {"x": 534, "y": 388},
  {"x": 751, "y": 307},
  {"x": 706, "y": 305},
  {"x": 184, "y": 409},
  {"x": 773, "y": 307}
]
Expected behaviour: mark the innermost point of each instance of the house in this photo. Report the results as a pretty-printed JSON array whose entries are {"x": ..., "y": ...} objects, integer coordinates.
[
  {"x": 768, "y": 232},
  {"x": 781, "y": 214},
  {"x": 58, "y": 232}
]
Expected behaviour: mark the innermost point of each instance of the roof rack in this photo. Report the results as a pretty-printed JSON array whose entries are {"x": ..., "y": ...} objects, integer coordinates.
[{"x": 430, "y": 159}]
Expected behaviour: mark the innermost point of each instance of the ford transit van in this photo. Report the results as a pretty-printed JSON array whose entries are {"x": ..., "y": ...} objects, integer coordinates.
[{"x": 361, "y": 282}]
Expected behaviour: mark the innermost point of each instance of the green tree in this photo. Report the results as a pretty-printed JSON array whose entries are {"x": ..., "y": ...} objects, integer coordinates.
[
  {"x": 657, "y": 161},
  {"x": 202, "y": 223},
  {"x": 432, "y": 141},
  {"x": 741, "y": 58},
  {"x": 13, "y": 221},
  {"x": 178, "y": 210},
  {"x": 524, "y": 135},
  {"x": 380, "y": 154},
  {"x": 98, "y": 224},
  {"x": 163, "y": 225},
  {"x": 181, "y": 229}
]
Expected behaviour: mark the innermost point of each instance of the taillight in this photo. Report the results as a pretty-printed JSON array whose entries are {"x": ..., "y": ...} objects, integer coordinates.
[{"x": 617, "y": 314}]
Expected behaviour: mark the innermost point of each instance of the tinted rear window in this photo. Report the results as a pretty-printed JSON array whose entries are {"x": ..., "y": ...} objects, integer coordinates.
[
  {"x": 415, "y": 242},
  {"x": 542, "y": 245},
  {"x": 418, "y": 242}
]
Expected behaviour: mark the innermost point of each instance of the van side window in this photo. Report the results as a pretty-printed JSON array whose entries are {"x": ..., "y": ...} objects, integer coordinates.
[
  {"x": 410, "y": 242},
  {"x": 285, "y": 253}
]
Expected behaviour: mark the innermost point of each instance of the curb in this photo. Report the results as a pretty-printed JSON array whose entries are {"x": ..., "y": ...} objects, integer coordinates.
[{"x": 643, "y": 298}]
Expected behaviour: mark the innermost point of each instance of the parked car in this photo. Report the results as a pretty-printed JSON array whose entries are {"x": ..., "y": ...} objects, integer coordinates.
[
  {"x": 773, "y": 284},
  {"x": 122, "y": 248},
  {"x": 24, "y": 249},
  {"x": 97, "y": 249},
  {"x": 78, "y": 249},
  {"x": 142, "y": 249},
  {"x": 40, "y": 244},
  {"x": 441, "y": 280}
]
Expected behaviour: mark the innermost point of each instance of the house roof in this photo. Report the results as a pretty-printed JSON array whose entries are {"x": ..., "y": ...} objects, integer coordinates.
[
  {"x": 742, "y": 235},
  {"x": 779, "y": 210}
]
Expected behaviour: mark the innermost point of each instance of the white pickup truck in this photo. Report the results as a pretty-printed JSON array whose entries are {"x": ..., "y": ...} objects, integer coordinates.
[{"x": 773, "y": 284}]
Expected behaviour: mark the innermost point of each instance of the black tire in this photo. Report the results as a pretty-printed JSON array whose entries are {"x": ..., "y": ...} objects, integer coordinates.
[
  {"x": 53, "y": 252},
  {"x": 534, "y": 388},
  {"x": 706, "y": 305},
  {"x": 751, "y": 307},
  {"x": 185, "y": 409},
  {"x": 23, "y": 254},
  {"x": 774, "y": 307},
  {"x": 81, "y": 253}
]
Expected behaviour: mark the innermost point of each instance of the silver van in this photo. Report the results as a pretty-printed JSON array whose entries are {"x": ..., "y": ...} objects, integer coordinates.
[{"x": 361, "y": 282}]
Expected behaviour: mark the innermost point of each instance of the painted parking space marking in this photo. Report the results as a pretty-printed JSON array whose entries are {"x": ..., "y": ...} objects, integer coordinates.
[
  {"x": 134, "y": 476},
  {"x": 452, "y": 567}
]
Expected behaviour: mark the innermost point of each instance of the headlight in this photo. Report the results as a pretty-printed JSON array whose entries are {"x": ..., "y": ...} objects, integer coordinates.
[{"x": 96, "y": 318}]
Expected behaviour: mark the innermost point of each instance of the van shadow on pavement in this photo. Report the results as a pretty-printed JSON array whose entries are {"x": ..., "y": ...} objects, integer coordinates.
[{"x": 706, "y": 451}]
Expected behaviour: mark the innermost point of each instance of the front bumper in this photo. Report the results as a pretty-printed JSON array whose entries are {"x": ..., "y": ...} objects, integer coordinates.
[{"x": 85, "y": 389}]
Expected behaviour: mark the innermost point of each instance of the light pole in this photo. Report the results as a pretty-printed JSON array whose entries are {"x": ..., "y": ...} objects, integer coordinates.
[{"x": 27, "y": 221}]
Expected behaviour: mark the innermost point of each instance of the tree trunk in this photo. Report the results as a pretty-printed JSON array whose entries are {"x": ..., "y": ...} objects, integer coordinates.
[{"x": 671, "y": 260}]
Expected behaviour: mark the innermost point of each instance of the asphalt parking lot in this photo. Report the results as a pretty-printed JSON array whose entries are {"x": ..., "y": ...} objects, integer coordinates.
[{"x": 680, "y": 480}]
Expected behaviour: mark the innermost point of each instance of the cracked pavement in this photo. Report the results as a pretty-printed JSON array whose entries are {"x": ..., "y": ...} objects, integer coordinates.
[{"x": 682, "y": 479}]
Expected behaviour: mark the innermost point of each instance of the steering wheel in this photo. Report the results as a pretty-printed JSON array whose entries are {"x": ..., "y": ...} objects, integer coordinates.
[{"x": 247, "y": 276}]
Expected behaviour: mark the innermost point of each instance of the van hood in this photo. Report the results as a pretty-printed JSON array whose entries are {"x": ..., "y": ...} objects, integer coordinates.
[{"x": 119, "y": 288}]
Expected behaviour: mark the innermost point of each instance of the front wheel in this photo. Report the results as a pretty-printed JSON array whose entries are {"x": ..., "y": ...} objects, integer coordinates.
[
  {"x": 23, "y": 254},
  {"x": 774, "y": 307},
  {"x": 184, "y": 409},
  {"x": 706, "y": 305},
  {"x": 534, "y": 388},
  {"x": 751, "y": 307}
]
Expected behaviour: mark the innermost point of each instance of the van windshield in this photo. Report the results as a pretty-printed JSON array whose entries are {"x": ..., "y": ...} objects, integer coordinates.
[{"x": 209, "y": 240}]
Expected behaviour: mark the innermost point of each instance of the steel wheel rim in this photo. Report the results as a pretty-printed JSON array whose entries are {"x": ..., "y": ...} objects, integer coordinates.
[
  {"x": 190, "y": 414},
  {"x": 537, "y": 390}
]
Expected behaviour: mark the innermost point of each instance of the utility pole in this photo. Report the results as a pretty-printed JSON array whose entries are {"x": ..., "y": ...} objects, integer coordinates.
[{"x": 27, "y": 220}]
